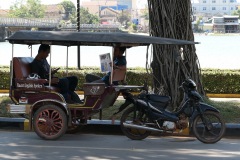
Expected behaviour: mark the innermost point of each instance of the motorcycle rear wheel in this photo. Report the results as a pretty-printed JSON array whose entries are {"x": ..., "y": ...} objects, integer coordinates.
[
  {"x": 212, "y": 130},
  {"x": 128, "y": 117}
]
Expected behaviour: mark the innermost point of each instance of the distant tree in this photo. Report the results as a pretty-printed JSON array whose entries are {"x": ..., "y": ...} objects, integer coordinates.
[
  {"x": 69, "y": 7},
  {"x": 145, "y": 14},
  {"x": 27, "y": 9},
  {"x": 88, "y": 18},
  {"x": 237, "y": 12},
  {"x": 124, "y": 17}
]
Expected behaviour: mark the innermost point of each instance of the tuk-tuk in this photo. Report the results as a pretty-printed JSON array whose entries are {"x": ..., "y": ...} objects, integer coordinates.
[{"x": 49, "y": 114}]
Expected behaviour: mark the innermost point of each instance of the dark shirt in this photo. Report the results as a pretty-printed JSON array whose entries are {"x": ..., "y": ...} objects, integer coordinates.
[
  {"x": 40, "y": 67},
  {"x": 118, "y": 61}
]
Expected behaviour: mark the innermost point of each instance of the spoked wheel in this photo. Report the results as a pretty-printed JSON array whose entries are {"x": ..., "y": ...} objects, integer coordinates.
[
  {"x": 130, "y": 116},
  {"x": 50, "y": 122},
  {"x": 210, "y": 129}
]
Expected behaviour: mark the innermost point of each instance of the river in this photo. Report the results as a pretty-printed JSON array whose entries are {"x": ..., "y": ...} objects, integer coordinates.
[{"x": 213, "y": 52}]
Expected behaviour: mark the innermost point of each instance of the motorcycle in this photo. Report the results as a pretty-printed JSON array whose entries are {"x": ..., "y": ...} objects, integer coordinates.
[{"x": 149, "y": 114}]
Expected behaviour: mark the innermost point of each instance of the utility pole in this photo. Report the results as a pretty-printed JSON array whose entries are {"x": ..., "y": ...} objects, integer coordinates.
[{"x": 78, "y": 29}]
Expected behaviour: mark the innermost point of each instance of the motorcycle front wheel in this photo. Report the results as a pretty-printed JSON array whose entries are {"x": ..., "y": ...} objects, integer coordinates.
[
  {"x": 210, "y": 128},
  {"x": 130, "y": 116}
]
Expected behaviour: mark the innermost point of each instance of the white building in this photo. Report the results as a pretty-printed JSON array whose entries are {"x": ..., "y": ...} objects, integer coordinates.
[{"x": 214, "y": 7}]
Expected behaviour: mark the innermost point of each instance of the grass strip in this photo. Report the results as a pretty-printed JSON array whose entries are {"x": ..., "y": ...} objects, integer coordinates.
[{"x": 229, "y": 109}]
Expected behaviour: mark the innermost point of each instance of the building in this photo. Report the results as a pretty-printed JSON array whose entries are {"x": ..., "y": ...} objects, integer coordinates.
[
  {"x": 4, "y": 12},
  {"x": 94, "y": 7},
  {"x": 108, "y": 10},
  {"x": 54, "y": 11},
  {"x": 225, "y": 24},
  {"x": 108, "y": 16},
  {"x": 214, "y": 7}
]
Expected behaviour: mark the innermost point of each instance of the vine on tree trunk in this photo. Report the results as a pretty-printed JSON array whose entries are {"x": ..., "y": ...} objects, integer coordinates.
[{"x": 171, "y": 64}]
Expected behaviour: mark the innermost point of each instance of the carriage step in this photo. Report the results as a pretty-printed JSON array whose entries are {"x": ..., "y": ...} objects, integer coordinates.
[{"x": 18, "y": 109}]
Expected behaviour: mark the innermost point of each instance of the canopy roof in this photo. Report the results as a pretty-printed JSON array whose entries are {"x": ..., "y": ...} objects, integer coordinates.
[{"x": 89, "y": 39}]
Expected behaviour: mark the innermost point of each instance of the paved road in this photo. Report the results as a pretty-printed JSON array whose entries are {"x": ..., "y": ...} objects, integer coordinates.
[{"x": 27, "y": 145}]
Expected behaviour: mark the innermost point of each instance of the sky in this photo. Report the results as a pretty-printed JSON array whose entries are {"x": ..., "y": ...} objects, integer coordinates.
[{"x": 5, "y": 4}]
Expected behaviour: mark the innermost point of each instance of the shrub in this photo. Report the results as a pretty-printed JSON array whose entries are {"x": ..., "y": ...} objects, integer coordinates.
[{"x": 214, "y": 80}]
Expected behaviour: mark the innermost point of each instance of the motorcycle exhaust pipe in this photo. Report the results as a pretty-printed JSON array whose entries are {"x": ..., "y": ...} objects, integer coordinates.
[{"x": 134, "y": 126}]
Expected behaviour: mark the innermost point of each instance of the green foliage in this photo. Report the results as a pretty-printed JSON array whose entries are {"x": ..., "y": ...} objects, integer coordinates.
[
  {"x": 27, "y": 9},
  {"x": 134, "y": 26},
  {"x": 214, "y": 80},
  {"x": 221, "y": 81},
  {"x": 237, "y": 13},
  {"x": 88, "y": 18},
  {"x": 124, "y": 18},
  {"x": 4, "y": 101},
  {"x": 229, "y": 110},
  {"x": 69, "y": 7},
  {"x": 5, "y": 78},
  {"x": 145, "y": 14}
]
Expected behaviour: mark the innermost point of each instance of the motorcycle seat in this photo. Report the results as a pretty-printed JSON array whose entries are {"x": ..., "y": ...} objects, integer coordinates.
[
  {"x": 158, "y": 98},
  {"x": 160, "y": 102}
]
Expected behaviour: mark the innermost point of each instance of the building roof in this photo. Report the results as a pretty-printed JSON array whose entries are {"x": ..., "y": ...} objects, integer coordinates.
[
  {"x": 53, "y": 8},
  {"x": 4, "y": 12},
  {"x": 99, "y": 3},
  {"x": 112, "y": 10}
]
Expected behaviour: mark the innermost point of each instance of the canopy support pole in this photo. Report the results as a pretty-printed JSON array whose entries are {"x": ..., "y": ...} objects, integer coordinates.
[
  {"x": 50, "y": 70},
  {"x": 67, "y": 62},
  {"x": 78, "y": 29},
  {"x": 12, "y": 67}
]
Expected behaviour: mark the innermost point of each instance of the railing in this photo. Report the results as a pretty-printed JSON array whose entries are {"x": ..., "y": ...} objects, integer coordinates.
[
  {"x": 33, "y": 22},
  {"x": 91, "y": 26},
  {"x": 55, "y": 23}
]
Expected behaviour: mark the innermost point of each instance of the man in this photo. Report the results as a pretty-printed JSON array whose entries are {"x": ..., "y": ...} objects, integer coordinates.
[
  {"x": 119, "y": 63},
  {"x": 41, "y": 67}
]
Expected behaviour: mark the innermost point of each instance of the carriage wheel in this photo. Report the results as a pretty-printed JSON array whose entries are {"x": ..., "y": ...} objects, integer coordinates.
[{"x": 50, "y": 122}]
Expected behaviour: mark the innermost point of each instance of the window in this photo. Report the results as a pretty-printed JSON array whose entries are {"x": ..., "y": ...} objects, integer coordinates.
[
  {"x": 232, "y": 1},
  {"x": 213, "y": 8},
  {"x": 231, "y": 8},
  {"x": 204, "y": 8},
  {"x": 224, "y": 1},
  {"x": 213, "y": 1},
  {"x": 224, "y": 8},
  {"x": 204, "y": 1}
]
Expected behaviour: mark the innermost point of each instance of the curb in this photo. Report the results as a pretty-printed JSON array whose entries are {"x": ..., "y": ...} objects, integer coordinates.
[{"x": 106, "y": 127}]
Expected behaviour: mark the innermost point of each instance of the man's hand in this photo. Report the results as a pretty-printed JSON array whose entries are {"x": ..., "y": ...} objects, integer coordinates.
[{"x": 55, "y": 71}]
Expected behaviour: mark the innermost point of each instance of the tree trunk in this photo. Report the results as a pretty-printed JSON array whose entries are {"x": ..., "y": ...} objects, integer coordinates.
[{"x": 173, "y": 63}]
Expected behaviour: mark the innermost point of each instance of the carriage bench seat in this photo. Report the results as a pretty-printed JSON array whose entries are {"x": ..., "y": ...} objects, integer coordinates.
[{"x": 21, "y": 71}]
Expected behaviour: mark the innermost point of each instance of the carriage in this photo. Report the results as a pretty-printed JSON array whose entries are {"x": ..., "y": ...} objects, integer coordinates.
[{"x": 48, "y": 112}]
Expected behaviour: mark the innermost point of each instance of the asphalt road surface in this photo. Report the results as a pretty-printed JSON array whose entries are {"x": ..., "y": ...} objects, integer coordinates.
[{"x": 27, "y": 145}]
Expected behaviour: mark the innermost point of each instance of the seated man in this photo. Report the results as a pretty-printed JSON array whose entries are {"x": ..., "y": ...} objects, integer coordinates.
[
  {"x": 119, "y": 63},
  {"x": 41, "y": 67}
]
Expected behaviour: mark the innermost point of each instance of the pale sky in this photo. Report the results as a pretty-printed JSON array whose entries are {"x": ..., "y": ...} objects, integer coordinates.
[{"x": 5, "y": 4}]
